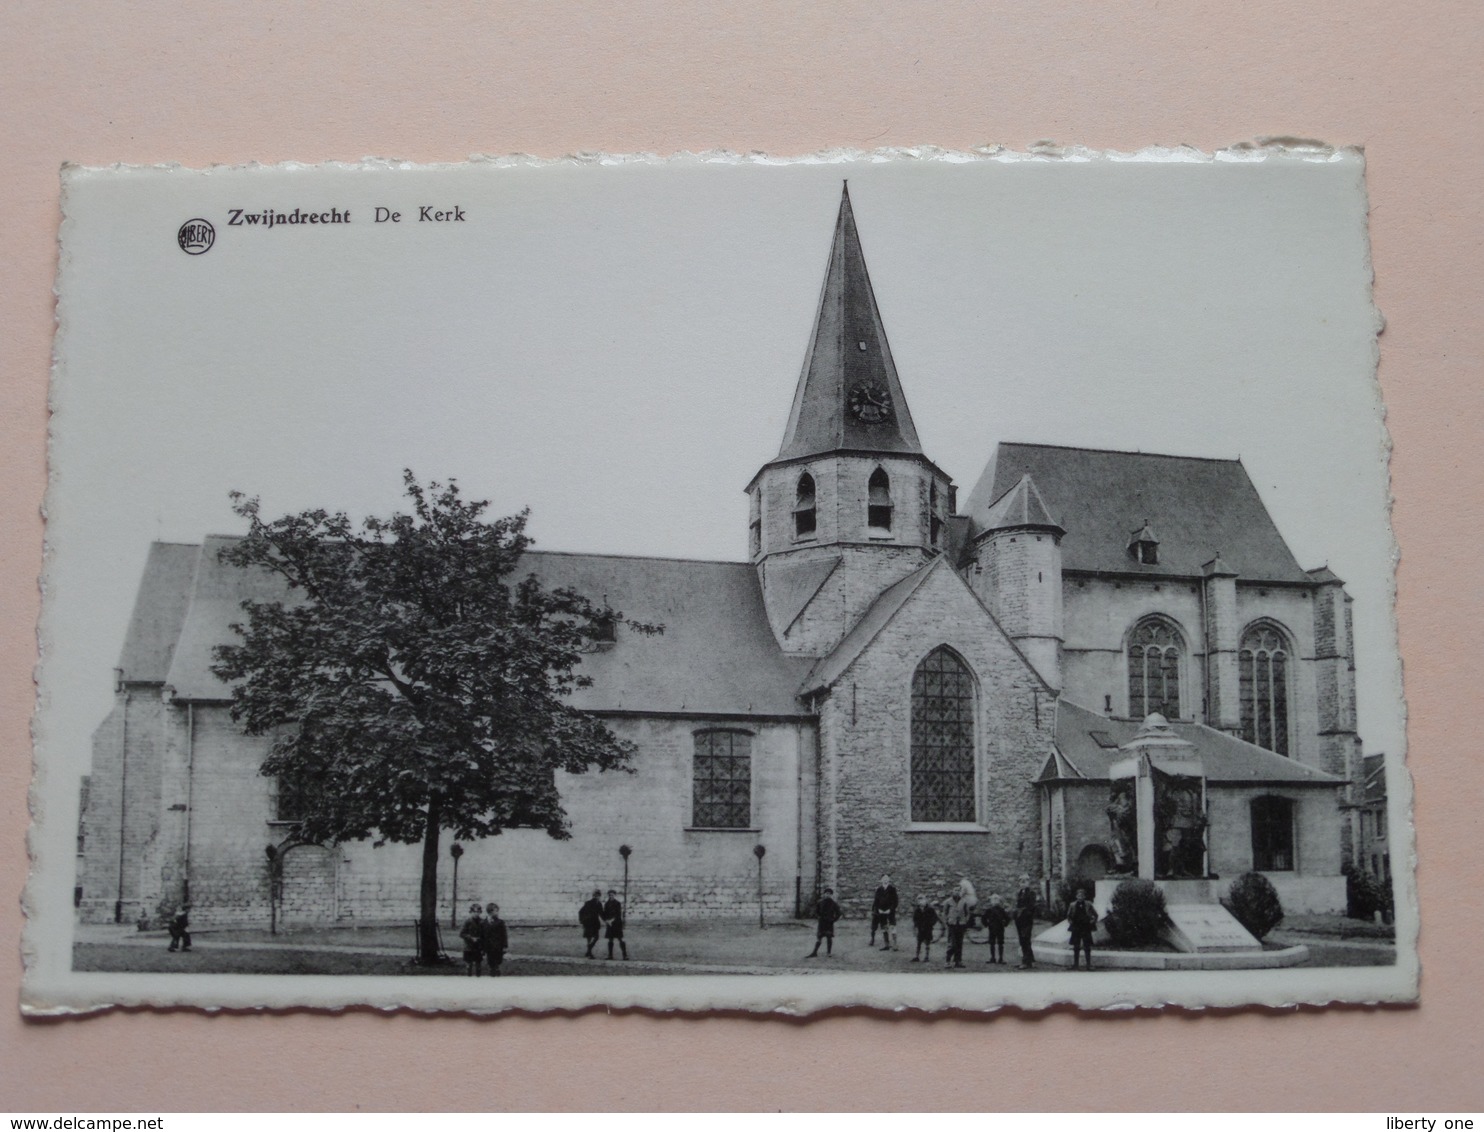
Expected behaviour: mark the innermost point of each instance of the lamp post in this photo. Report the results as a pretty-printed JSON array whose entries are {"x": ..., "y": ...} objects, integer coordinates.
[
  {"x": 624, "y": 851},
  {"x": 759, "y": 852},
  {"x": 455, "y": 851}
]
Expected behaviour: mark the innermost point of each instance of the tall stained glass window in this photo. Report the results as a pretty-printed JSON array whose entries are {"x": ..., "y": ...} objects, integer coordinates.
[
  {"x": 1263, "y": 688},
  {"x": 942, "y": 740},
  {"x": 722, "y": 777},
  {"x": 1154, "y": 652}
]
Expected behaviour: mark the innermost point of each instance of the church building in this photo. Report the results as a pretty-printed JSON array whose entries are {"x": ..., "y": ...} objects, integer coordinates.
[{"x": 891, "y": 682}]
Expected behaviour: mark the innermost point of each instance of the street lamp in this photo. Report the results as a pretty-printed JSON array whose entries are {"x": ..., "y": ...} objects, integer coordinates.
[
  {"x": 759, "y": 852},
  {"x": 455, "y": 851},
  {"x": 624, "y": 851}
]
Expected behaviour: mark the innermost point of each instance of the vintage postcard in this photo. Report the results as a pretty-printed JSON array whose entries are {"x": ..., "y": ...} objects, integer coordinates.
[{"x": 912, "y": 580}]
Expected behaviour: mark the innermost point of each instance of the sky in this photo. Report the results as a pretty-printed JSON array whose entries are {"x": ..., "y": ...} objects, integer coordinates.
[{"x": 615, "y": 345}]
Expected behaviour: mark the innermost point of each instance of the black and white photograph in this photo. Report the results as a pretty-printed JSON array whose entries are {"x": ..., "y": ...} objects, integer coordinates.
[{"x": 908, "y": 580}]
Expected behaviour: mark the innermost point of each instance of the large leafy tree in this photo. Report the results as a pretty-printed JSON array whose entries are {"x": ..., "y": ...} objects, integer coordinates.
[{"x": 410, "y": 681}]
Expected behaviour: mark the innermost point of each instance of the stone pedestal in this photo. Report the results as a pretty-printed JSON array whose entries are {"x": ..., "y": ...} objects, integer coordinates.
[{"x": 1171, "y": 836}]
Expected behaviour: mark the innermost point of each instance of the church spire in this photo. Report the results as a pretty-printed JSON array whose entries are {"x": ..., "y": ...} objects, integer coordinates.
[{"x": 848, "y": 395}]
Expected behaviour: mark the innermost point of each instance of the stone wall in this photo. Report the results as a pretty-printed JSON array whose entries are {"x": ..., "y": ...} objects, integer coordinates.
[
  {"x": 1017, "y": 574},
  {"x": 863, "y": 572},
  {"x": 675, "y": 870},
  {"x": 1100, "y": 612},
  {"x": 1310, "y": 887},
  {"x": 865, "y": 736},
  {"x": 124, "y": 802},
  {"x": 1317, "y": 823}
]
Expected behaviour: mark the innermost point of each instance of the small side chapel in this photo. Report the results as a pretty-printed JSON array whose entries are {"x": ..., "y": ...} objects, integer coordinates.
[{"x": 891, "y": 683}]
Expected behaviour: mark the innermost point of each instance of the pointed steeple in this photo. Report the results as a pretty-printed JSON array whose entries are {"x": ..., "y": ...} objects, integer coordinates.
[{"x": 848, "y": 395}]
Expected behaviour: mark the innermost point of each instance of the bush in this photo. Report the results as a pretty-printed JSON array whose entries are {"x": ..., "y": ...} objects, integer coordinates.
[
  {"x": 1254, "y": 902},
  {"x": 1136, "y": 913},
  {"x": 1365, "y": 895}
]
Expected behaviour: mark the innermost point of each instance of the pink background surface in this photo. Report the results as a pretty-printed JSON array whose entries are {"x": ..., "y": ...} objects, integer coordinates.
[{"x": 147, "y": 82}]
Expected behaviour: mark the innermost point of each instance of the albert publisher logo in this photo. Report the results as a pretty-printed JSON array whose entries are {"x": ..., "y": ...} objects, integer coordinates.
[{"x": 196, "y": 236}]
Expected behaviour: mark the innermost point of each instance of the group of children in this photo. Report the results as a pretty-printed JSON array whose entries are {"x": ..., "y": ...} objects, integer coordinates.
[
  {"x": 956, "y": 913},
  {"x": 594, "y": 914},
  {"x": 485, "y": 939}
]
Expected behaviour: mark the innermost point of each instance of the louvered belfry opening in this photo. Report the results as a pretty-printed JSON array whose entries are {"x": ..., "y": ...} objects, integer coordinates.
[
  {"x": 804, "y": 521},
  {"x": 878, "y": 508}
]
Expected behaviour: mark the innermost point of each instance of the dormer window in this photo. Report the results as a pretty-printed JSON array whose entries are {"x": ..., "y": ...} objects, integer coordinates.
[
  {"x": 804, "y": 507},
  {"x": 878, "y": 505},
  {"x": 1144, "y": 546}
]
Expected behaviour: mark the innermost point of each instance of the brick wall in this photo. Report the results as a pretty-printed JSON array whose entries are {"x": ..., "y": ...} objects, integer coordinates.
[
  {"x": 1017, "y": 574},
  {"x": 865, "y": 739},
  {"x": 840, "y": 499},
  {"x": 674, "y": 871},
  {"x": 124, "y": 802}
]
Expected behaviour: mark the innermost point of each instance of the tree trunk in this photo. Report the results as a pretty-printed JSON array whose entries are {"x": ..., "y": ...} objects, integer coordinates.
[{"x": 427, "y": 938}]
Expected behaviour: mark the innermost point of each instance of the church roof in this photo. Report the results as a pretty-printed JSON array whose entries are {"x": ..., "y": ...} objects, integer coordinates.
[
  {"x": 1021, "y": 506},
  {"x": 1089, "y": 743},
  {"x": 1200, "y": 507},
  {"x": 848, "y": 352},
  {"x": 159, "y": 610},
  {"x": 717, "y": 655},
  {"x": 832, "y": 666},
  {"x": 792, "y": 586}
]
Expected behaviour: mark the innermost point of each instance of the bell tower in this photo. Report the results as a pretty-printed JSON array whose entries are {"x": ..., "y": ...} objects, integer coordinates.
[{"x": 850, "y": 505}]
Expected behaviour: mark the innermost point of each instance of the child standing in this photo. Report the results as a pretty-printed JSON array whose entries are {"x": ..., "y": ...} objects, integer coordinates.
[
  {"x": 472, "y": 933},
  {"x": 827, "y": 913},
  {"x": 496, "y": 938},
  {"x": 957, "y": 920},
  {"x": 996, "y": 918},
  {"x": 613, "y": 917},
  {"x": 1082, "y": 918},
  {"x": 590, "y": 916},
  {"x": 924, "y": 921},
  {"x": 180, "y": 936}
]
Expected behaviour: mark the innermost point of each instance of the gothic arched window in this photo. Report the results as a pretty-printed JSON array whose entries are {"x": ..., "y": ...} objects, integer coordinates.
[
  {"x": 1155, "y": 649},
  {"x": 943, "y": 740},
  {"x": 804, "y": 506},
  {"x": 935, "y": 515},
  {"x": 878, "y": 508},
  {"x": 1263, "y": 687}
]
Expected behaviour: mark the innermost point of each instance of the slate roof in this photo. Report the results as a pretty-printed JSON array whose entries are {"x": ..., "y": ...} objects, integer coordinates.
[
  {"x": 159, "y": 611},
  {"x": 793, "y": 585},
  {"x": 215, "y": 604},
  {"x": 832, "y": 666},
  {"x": 847, "y": 349},
  {"x": 1021, "y": 506},
  {"x": 717, "y": 655},
  {"x": 1200, "y": 508},
  {"x": 1226, "y": 759}
]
